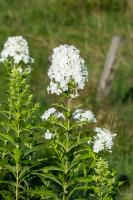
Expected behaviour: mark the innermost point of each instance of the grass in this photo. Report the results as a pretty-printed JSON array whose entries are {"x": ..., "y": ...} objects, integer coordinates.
[{"x": 90, "y": 26}]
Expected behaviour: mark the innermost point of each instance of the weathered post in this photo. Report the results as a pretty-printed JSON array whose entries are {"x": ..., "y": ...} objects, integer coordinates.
[{"x": 109, "y": 69}]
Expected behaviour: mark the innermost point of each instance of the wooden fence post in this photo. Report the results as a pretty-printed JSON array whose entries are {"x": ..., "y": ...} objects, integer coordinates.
[{"x": 109, "y": 69}]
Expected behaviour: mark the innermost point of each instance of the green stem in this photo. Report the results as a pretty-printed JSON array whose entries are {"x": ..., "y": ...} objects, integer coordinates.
[
  {"x": 69, "y": 110},
  {"x": 64, "y": 197},
  {"x": 3, "y": 153},
  {"x": 17, "y": 181},
  {"x": 67, "y": 135}
]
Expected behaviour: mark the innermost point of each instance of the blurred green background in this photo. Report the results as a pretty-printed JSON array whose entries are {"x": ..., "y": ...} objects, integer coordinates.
[{"x": 89, "y": 25}]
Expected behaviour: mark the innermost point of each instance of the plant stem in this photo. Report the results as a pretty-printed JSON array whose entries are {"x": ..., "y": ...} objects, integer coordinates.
[
  {"x": 69, "y": 110},
  {"x": 17, "y": 180},
  {"x": 64, "y": 197},
  {"x": 67, "y": 135}
]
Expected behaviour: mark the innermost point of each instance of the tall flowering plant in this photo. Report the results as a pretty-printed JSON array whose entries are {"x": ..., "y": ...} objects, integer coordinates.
[
  {"x": 75, "y": 167},
  {"x": 74, "y": 141},
  {"x": 17, "y": 125}
]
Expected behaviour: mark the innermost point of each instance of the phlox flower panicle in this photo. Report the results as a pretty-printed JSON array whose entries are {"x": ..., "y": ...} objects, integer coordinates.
[
  {"x": 52, "y": 112},
  {"x": 16, "y": 48},
  {"x": 83, "y": 116},
  {"x": 103, "y": 140},
  {"x": 67, "y": 72}
]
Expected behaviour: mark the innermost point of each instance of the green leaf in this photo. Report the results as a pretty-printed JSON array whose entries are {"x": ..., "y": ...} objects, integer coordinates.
[
  {"x": 7, "y": 137},
  {"x": 29, "y": 151},
  {"x": 44, "y": 193},
  {"x": 59, "y": 124},
  {"x": 74, "y": 189},
  {"x": 83, "y": 156},
  {"x": 76, "y": 144},
  {"x": 80, "y": 188},
  {"x": 73, "y": 165},
  {"x": 11, "y": 169},
  {"x": 61, "y": 144},
  {"x": 52, "y": 168},
  {"x": 24, "y": 172},
  {"x": 60, "y": 106},
  {"x": 17, "y": 154},
  {"x": 5, "y": 149},
  {"x": 88, "y": 179},
  {"x": 51, "y": 177},
  {"x": 8, "y": 182},
  {"x": 120, "y": 183}
]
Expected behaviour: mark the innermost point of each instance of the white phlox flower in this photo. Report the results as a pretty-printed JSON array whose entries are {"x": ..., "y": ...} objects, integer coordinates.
[
  {"x": 48, "y": 113},
  {"x": 53, "y": 88},
  {"x": 48, "y": 135},
  {"x": 67, "y": 72},
  {"x": 16, "y": 48},
  {"x": 84, "y": 116},
  {"x": 52, "y": 112},
  {"x": 103, "y": 140}
]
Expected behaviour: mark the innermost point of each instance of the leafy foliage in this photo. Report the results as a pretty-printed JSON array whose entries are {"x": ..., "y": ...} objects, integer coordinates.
[
  {"x": 105, "y": 180},
  {"x": 18, "y": 143},
  {"x": 71, "y": 170}
]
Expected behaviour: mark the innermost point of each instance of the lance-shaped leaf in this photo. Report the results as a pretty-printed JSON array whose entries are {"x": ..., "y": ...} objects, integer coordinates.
[
  {"x": 45, "y": 194},
  {"x": 17, "y": 154},
  {"x": 51, "y": 177},
  {"x": 8, "y": 182},
  {"x": 12, "y": 169},
  {"x": 73, "y": 145},
  {"x": 8, "y": 137},
  {"x": 60, "y": 106},
  {"x": 61, "y": 144},
  {"x": 77, "y": 187},
  {"x": 52, "y": 168},
  {"x": 25, "y": 171}
]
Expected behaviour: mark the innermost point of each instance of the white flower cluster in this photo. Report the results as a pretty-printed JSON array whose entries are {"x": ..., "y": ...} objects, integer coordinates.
[
  {"x": 103, "y": 140},
  {"x": 48, "y": 135},
  {"x": 67, "y": 67},
  {"x": 84, "y": 116},
  {"x": 52, "y": 111},
  {"x": 16, "y": 48}
]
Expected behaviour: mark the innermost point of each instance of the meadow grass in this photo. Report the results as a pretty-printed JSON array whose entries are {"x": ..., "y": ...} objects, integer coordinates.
[{"x": 90, "y": 26}]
